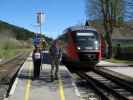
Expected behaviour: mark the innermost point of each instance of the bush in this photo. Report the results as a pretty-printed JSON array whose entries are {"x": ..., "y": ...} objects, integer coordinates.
[
  {"x": 123, "y": 52},
  {"x": 9, "y": 47}
]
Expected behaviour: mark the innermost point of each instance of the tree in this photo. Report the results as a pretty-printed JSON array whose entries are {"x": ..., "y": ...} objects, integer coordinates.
[
  {"x": 93, "y": 9},
  {"x": 108, "y": 11}
]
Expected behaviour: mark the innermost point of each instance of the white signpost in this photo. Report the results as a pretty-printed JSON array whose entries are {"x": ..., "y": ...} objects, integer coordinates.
[{"x": 40, "y": 20}]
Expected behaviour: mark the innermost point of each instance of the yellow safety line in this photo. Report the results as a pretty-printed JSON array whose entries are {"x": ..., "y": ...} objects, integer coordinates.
[
  {"x": 27, "y": 91},
  {"x": 28, "y": 85},
  {"x": 62, "y": 96}
]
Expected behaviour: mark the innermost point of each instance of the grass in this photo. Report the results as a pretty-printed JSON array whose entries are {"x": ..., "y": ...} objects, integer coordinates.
[
  {"x": 9, "y": 53},
  {"x": 113, "y": 60},
  {"x": 10, "y": 47}
]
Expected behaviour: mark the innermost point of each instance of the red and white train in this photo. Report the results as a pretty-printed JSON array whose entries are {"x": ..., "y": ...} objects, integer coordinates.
[{"x": 82, "y": 46}]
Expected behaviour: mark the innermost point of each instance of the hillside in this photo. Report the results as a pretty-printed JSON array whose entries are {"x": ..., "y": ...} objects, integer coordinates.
[
  {"x": 12, "y": 31},
  {"x": 14, "y": 39}
]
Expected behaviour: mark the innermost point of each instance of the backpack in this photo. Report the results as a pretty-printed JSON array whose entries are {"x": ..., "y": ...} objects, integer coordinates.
[{"x": 53, "y": 51}]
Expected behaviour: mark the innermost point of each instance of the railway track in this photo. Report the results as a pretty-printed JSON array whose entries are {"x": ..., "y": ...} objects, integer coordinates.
[
  {"x": 106, "y": 86},
  {"x": 8, "y": 72}
]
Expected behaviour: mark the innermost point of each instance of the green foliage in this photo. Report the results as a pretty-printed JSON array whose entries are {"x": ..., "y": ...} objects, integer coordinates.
[
  {"x": 16, "y": 40},
  {"x": 9, "y": 47},
  {"x": 22, "y": 34},
  {"x": 18, "y": 32},
  {"x": 125, "y": 52},
  {"x": 114, "y": 60}
]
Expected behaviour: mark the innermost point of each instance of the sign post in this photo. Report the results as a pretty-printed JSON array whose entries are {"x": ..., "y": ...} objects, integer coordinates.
[
  {"x": 37, "y": 39},
  {"x": 40, "y": 17}
]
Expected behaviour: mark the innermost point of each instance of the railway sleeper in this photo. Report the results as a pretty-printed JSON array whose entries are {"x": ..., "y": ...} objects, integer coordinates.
[
  {"x": 122, "y": 82},
  {"x": 106, "y": 89}
]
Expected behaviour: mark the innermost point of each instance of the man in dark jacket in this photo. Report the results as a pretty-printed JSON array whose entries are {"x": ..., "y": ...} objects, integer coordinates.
[{"x": 55, "y": 55}]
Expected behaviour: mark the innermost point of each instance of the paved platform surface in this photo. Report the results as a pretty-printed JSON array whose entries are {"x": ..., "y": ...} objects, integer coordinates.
[
  {"x": 126, "y": 71},
  {"x": 123, "y": 71},
  {"x": 24, "y": 88}
]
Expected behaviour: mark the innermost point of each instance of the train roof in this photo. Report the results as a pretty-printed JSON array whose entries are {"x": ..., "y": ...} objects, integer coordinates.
[{"x": 77, "y": 28}]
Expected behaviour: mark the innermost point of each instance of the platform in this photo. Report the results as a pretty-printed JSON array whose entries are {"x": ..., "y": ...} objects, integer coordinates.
[
  {"x": 126, "y": 71},
  {"x": 123, "y": 71},
  {"x": 44, "y": 88}
]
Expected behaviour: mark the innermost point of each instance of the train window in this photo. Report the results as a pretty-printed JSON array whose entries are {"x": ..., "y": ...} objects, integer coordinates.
[
  {"x": 89, "y": 35},
  {"x": 87, "y": 40}
]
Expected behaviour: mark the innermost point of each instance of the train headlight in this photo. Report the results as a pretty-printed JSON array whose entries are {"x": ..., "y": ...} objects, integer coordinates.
[
  {"x": 78, "y": 48},
  {"x": 96, "y": 48},
  {"x": 96, "y": 45}
]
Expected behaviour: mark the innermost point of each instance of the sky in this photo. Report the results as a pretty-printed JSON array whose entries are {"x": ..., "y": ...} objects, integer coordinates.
[{"x": 59, "y": 14}]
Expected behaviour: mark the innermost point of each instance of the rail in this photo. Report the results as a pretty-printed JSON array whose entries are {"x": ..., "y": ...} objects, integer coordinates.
[
  {"x": 105, "y": 88},
  {"x": 8, "y": 72}
]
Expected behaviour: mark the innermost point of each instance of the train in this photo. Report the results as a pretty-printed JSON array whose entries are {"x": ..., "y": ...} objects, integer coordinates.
[{"x": 82, "y": 46}]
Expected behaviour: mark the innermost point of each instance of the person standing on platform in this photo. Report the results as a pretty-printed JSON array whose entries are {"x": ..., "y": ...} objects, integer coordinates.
[
  {"x": 36, "y": 56},
  {"x": 55, "y": 55},
  {"x": 43, "y": 48}
]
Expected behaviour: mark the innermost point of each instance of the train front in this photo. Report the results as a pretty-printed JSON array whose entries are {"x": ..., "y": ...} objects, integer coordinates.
[{"x": 88, "y": 47}]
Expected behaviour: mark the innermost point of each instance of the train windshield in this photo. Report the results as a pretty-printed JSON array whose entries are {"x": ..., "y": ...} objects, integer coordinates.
[{"x": 87, "y": 40}]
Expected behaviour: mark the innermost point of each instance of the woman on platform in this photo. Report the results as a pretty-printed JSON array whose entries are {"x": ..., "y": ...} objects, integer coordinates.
[{"x": 36, "y": 56}]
